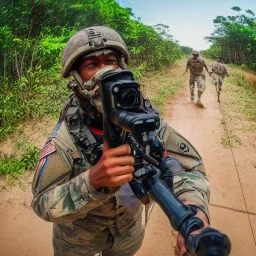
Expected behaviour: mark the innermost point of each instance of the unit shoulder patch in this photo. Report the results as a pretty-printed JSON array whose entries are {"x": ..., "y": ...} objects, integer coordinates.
[{"x": 183, "y": 147}]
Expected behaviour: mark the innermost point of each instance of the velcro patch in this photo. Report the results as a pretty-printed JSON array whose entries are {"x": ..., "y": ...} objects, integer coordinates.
[{"x": 48, "y": 148}]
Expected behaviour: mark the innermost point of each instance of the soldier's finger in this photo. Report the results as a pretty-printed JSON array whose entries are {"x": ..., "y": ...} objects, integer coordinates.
[
  {"x": 120, "y": 170},
  {"x": 177, "y": 250},
  {"x": 181, "y": 244},
  {"x": 183, "y": 251},
  {"x": 122, "y": 150},
  {"x": 118, "y": 161},
  {"x": 120, "y": 180}
]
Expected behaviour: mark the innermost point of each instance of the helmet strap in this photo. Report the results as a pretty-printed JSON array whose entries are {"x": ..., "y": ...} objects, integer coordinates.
[
  {"x": 122, "y": 62},
  {"x": 77, "y": 77},
  {"x": 79, "y": 85}
]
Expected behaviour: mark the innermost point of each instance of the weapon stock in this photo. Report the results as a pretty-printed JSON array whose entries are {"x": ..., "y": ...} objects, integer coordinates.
[{"x": 126, "y": 122}]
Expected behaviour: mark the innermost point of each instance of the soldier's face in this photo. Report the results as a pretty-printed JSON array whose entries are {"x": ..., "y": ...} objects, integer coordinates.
[
  {"x": 195, "y": 56},
  {"x": 94, "y": 63}
]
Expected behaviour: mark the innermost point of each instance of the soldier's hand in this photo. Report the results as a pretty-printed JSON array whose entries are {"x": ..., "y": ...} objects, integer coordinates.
[
  {"x": 115, "y": 167},
  {"x": 180, "y": 248}
]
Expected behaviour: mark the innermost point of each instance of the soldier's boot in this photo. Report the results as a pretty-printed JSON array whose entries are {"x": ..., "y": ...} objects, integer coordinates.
[
  {"x": 192, "y": 97},
  {"x": 199, "y": 102}
]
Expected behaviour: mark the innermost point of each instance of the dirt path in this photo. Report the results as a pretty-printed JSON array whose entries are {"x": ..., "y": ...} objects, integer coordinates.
[{"x": 22, "y": 233}]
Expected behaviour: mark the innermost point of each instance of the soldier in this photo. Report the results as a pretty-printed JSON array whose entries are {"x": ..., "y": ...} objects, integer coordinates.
[
  {"x": 80, "y": 184},
  {"x": 195, "y": 64},
  {"x": 218, "y": 73}
]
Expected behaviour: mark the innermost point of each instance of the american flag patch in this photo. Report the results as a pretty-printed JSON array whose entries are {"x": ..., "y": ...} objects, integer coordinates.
[{"x": 47, "y": 149}]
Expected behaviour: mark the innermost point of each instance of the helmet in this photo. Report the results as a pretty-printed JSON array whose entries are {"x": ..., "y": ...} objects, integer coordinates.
[
  {"x": 194, "y": 52},
  {"x": 89, "y": 40}
]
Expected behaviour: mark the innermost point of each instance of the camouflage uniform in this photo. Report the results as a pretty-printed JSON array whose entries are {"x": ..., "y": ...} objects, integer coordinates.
[
  {"x": 219, "y": 72},
  {"x": 197, "y": 75},
  {"x": 87, "y": 221}
]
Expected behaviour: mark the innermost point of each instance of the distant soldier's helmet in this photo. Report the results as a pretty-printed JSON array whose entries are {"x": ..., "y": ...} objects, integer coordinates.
[
  {"x": 219, "y": 57},
  {"x": 89, "y": 40},
  {"x": 194, "y": 52}
]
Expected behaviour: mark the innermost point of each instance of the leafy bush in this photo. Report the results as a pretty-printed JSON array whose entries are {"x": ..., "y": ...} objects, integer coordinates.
[
  {"x": 12, "y": 166},
  {"x": 38, "y": 94}
]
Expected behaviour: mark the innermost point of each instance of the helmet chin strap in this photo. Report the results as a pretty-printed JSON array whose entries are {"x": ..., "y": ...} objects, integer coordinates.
[
  {"x": 87, "y": 89},
  {"x": 84, "y": 88}
]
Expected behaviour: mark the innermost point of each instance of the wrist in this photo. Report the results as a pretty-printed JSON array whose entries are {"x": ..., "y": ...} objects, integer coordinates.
[
  {"x": 199, "y": 210},
  {"x": 93, "y": 179}
]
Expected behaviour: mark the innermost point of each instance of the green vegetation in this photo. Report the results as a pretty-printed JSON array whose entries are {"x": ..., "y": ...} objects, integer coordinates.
[
  {"x": 33, "y": 35},
  {"x": 234, "y": 38},
  {"x": 13, "y": 166},
  {"x": 246, "y": 94}
]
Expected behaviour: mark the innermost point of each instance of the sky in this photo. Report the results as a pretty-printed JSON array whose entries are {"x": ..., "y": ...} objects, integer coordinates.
[{"x": 189, "y": 21}]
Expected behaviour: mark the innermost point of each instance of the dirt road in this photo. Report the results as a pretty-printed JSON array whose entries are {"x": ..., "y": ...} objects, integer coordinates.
[{"x": 22, "y": 233}]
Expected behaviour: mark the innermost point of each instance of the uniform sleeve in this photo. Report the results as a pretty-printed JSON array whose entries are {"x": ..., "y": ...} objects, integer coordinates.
[
  {"x": 191, "y": 183},
  {"x": 226, "y": 71},
  {"x": 204, "y": 64},
  {"x": 211, "y": 69},
  {"x": 56, "y": 197}
]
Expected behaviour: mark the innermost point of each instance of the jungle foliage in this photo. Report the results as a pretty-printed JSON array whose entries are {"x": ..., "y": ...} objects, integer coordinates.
[
  {"x": 234, "y": 38},
  {"x": 33, "y": 34}
]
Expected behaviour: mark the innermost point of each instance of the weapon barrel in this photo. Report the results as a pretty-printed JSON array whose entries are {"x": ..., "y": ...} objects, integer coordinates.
[{"x": 210, "y": 242}]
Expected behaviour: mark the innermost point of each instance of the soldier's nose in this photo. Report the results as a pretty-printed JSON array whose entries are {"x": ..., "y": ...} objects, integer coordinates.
[{"x": 102, "y": 65}]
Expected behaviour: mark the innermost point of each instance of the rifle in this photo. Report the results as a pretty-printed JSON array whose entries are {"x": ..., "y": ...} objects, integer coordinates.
[{"x": 124, "y": 121}]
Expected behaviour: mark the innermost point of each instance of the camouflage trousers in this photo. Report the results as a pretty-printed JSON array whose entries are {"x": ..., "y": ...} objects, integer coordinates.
[
  {"x": 217, "y": 79},
  {"x": 76, "y": 241},
  {"x": 200, "y": 81}
]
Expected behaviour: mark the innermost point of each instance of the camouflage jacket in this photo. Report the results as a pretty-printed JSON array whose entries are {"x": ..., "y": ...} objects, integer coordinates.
[
  {"x": 62, "y": 189},
  {"x": 196, "y": 66},
  {"x": 219, "y": 69}
]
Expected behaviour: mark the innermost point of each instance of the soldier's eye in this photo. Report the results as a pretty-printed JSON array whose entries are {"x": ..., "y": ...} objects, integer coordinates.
[
  {"x": 112, "y": 61},
  {"x": 91, "y": 64}
]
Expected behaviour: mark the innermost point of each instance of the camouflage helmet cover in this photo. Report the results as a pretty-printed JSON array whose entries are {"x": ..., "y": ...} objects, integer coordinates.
[
  {"x": 194, "y": 52},
  {"x": 89, "y": 40}
]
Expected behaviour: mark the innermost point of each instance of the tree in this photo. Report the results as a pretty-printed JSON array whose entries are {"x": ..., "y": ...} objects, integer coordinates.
[{"x": 235, "y": 38}]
